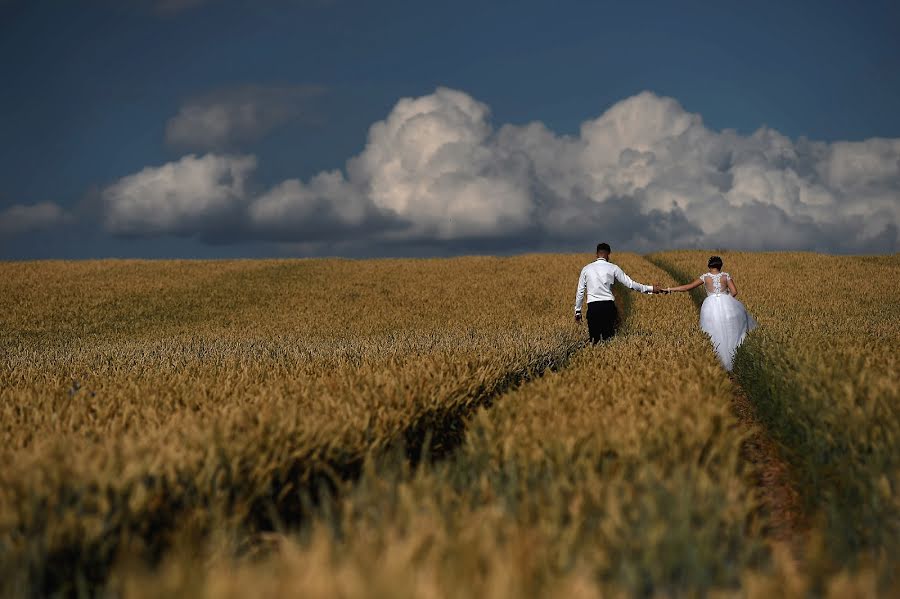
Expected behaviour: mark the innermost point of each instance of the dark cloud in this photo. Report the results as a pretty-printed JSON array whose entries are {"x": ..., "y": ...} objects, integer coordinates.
[
  {"x": 19, "y": 219},
  {"x": 229, "y": 117}
]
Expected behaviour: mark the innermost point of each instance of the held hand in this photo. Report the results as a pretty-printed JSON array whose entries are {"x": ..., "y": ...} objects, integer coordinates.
[{"x": 578, "y": 317}]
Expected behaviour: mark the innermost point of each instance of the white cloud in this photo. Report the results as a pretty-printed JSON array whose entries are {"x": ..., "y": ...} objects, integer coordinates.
[
  {"x": 238, "y": 115},
  {"x": 327, "y": 205},
  {"x": 190, "y": 195},
  {"x": 645, "y": 174},
  {"x": 29, "y": 218},
  {"x": 433, "y": 163}
]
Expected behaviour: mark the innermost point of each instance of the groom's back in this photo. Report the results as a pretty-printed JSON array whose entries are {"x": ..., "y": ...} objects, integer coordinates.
[
  {"x": 601, "y": 273},
  {"x": 597, "y": 279}
]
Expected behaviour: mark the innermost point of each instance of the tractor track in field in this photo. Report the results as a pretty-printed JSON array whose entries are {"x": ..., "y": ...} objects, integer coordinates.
[
  {"x": 781, "y": 500},
  {"x": 782, "y": 507}
]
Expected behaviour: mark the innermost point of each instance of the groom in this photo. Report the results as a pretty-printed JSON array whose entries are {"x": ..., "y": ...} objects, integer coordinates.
[{"x": 596, "y": 281}]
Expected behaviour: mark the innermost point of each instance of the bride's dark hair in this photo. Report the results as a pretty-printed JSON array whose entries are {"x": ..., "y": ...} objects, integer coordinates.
[{"x": 714, "y": 262}]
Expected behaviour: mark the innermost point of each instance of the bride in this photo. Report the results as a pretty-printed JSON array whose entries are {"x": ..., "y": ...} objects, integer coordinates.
[{"x": 722, "y": 317}]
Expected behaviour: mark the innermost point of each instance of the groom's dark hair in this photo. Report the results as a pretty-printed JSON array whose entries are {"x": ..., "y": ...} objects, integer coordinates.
[{"x": 603, "y": 247}]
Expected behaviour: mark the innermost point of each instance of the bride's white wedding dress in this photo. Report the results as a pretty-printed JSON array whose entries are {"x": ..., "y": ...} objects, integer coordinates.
[{"x": 723, "y": 317}]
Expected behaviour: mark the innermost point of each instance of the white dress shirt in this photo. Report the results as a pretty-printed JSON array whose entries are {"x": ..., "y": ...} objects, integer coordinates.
[{"x": 597, "y": 279}]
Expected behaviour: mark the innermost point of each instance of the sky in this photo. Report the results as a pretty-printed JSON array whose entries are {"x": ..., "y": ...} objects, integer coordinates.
[{"x": 239, "y": 128}]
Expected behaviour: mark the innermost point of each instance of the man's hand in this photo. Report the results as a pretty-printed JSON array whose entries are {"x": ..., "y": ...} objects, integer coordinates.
[
  {"x": 578, "y": 317},
  {"x": 657, "y": 289}
]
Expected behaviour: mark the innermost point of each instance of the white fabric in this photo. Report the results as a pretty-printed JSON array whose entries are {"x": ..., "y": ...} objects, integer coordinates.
[
  {"x": 597, "y": 279},
  {"x": 723, "y": 317}
]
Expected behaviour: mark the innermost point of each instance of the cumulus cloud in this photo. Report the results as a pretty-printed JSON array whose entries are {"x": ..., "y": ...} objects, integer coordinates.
[
  {"x": 646, "y": 174},
  {"x": 433, "y": 163},
  {"x": 227, "y": 117},
  {"x": 321, "y": 210},
  {"x": 190, "y": 195},
  {"x": 29, "y": 218}
]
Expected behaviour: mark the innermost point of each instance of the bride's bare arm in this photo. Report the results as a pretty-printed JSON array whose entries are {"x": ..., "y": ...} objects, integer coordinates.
[
  {"x": 732, "y": 287},
  {"x": 692, "y": 285}
]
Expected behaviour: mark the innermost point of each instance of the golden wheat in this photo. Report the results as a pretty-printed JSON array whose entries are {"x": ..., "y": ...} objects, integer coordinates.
[
  {"x": 619, "y": 474},
  {"x": 135, "y": 395},
  {"x": 156, "y": 416}
]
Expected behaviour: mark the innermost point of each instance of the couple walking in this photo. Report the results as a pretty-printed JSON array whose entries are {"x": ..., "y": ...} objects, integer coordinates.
[{"x": 722, "y": 317}]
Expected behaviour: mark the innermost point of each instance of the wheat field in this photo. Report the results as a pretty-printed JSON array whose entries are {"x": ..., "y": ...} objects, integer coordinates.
[
  {"x": 825, "y": 374},
  {"x": 410, "y": 428}
]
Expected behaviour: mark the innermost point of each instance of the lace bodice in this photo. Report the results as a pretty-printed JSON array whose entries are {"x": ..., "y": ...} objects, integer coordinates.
[{"x": 716, "y": 284}]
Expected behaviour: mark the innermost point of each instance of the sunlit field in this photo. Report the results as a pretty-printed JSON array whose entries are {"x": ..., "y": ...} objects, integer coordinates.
[{"x": 408, "y": 428}]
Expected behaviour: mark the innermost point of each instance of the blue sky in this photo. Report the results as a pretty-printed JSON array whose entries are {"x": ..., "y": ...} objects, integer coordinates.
[{"x": 97, "y": 91}]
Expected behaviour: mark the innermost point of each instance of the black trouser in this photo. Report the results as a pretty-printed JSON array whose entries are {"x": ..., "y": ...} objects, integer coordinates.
[{"x": 602, "y": 318}]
